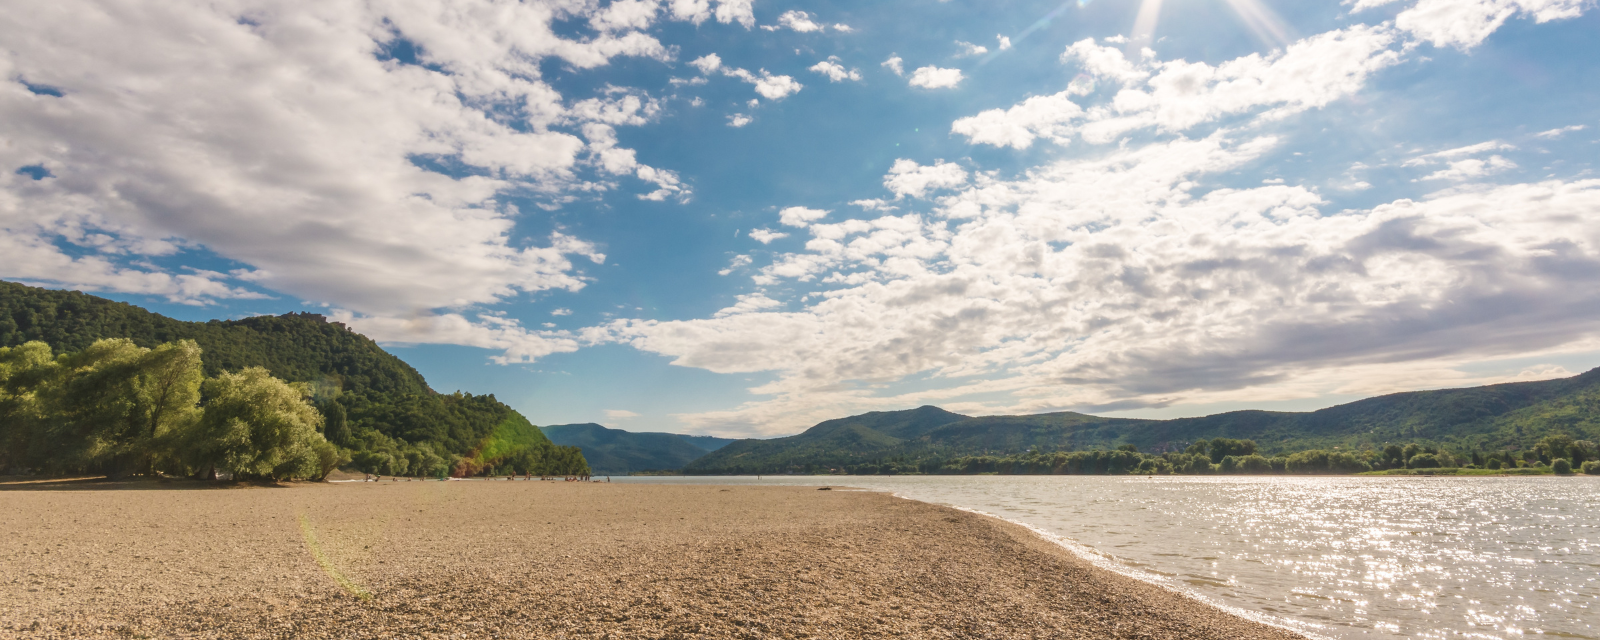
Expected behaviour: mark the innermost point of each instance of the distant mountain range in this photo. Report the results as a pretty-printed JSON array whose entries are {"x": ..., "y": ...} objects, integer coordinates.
[
  {"x": 618, "y": 452},
  {"x": 1494, "y": 417}
]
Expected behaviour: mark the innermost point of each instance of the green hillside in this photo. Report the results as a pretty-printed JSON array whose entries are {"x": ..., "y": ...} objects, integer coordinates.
[
  {"x": 619, "y": 452},
  {"x": 373, "y": 403},
  {"x": 831, "y": 444},
  {"x": 1502, "y": 417}
]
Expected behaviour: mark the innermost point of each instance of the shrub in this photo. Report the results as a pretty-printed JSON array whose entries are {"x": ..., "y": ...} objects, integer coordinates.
[
  {"x": 1494, "y": 463},
  {"x": 1561, "y": 466},
  {"x": 1592, "y": 467}
]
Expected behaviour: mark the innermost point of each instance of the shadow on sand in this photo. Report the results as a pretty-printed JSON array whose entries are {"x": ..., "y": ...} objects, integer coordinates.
[{"x": 101, "y": 483}]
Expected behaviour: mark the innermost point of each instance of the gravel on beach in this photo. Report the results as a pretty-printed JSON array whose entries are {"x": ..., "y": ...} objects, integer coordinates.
[{"x": 530, "y": 559}]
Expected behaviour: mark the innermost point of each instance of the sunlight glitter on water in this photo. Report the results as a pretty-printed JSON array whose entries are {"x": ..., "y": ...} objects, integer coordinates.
[{"x": 1337, "y": 557}]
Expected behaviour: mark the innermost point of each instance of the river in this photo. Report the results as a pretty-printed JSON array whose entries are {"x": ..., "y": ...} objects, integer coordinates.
[{"x": 1331, "y": 557}]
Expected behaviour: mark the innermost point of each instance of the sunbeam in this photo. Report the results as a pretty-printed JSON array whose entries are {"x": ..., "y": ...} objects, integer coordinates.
[{"x": 1263, "y": 22}]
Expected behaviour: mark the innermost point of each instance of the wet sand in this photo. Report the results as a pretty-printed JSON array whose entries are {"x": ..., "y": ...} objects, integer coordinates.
[{"x": 550, "y": 560}]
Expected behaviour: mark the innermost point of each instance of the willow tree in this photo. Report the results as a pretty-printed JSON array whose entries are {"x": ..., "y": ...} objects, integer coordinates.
[{"x": 256, "y": 426}]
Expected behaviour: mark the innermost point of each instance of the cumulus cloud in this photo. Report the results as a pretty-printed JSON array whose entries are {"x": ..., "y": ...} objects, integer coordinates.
[
  {"x": 766, "y": 236},
  {"x": 798, "y": 21},
  {"x": 835, "y": 71},
  {"x": 931, "y": 77},
  {"x": 907, "y": 178},
  {"x": 298, "y": 139},
  {"x": 1173, "y": 96},
  {"x": 738, "y": 120},
  {"x": 1005, "y": 43},
  {"x": 800, "y": 216},
  {"x": 1465, "y": 24},
  {"x": 769, "y": 86},
  {"x": 774, "y": 87},
  {"x": 707, "y": 63},
  {"x": 725, "y": 11},
  {"x": 895, "y": 64}
]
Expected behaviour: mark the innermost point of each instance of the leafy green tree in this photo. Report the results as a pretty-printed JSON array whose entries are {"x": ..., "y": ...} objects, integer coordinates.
[
  {"x": 1561, "y": 466},
  {"x": 1493, "y": 463},
  {"x": 1558, "y": 445},
  {"x": 258, "y": 427},
  {"x": 1223, "y": 447},
  {"x": 1423, "y": 461}
]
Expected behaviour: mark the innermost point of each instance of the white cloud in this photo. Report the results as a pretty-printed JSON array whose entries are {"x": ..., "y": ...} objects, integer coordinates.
[
  {"x": 874, "y": 204},
  {"x": 931, "y": 77},
  {"x": 799, "y": 21},
  {"x": 283, "y": 143},
  {"x": 1556, "y": 133},
  {"x": 738, "y": 120},
  {"x": 1005, "y": 43},
  {"x": 726, "y": 11},
  {"x": 625, "y": 14},
  {"x": 1465, "y": 24},
  {"x": 836, "y": 72},
  {"x": 707, "y": 63},
  {"x": 843, "y": 28},
  {"x": 739, "y": 261},
  {"x": 895, "y": 64},
  {"x": 1048, "y": 117},
  {"x": 561, "y": 312},
  {"x": 774, "y": 87},
  {"x": 800, "y": 216},
  {"x": 505, "y": 335},
  {"x": 749, "y": 303},
  {"x": 766, "y": 236},
  {"x": 1178, "y": 95},
  {"x": 620, "y": 414},
  {"x": 907, "y": 178},
  {"x": 968, "y": 49},
  {"x": 767, "y": 85},
  {"x": 1472, "y": 168}
]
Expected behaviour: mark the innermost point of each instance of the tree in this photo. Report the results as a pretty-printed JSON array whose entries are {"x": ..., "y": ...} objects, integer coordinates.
[
  {"x": 1554, "y": 446},
  {"x": 167, "y": 389},
  {"x": 1560, "y": 466},
  {"x": 257, "y": 426}
]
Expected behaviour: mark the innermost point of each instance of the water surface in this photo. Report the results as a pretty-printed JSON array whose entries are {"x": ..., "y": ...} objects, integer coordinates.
[{"x": 1341, "y": 557}]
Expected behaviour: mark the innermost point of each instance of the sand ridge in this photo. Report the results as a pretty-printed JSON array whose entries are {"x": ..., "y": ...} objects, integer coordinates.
[{"x": 553, "y": 560}]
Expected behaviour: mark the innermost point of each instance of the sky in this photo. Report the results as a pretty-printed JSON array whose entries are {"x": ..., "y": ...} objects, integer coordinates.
[{"x": 742, "y": 217}]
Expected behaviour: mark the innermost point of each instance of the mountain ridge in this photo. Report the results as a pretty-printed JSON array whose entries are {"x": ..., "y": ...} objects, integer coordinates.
[{"x": 1508, "y": 415}]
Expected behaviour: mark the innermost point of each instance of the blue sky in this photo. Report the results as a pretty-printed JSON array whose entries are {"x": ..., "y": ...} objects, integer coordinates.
[{"x": 741, "y": 218}]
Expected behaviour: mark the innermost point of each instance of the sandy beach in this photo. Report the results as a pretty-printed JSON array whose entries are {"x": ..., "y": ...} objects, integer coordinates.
[{"x": 549, "y": 560}]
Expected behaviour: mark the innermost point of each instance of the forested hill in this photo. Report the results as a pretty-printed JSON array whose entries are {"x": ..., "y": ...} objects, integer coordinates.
[
  {"x": 374, "y": 404},
  {"x": 295, "y": 347},
  {"x": 1491, "y": 418},
  {"x": 619, "y": 452}
]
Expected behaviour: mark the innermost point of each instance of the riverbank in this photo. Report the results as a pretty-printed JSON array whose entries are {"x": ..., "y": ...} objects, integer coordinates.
[{"x": 551, "y": 559}]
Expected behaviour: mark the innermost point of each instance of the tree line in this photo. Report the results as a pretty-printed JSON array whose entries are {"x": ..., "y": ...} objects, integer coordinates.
[
  {"x": 1558, "y": 453},
  {"x": 119, "y": 409}
]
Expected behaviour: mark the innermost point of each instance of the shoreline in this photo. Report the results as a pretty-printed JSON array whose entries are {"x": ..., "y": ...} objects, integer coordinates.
[{"x": 554, "y": 559}]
